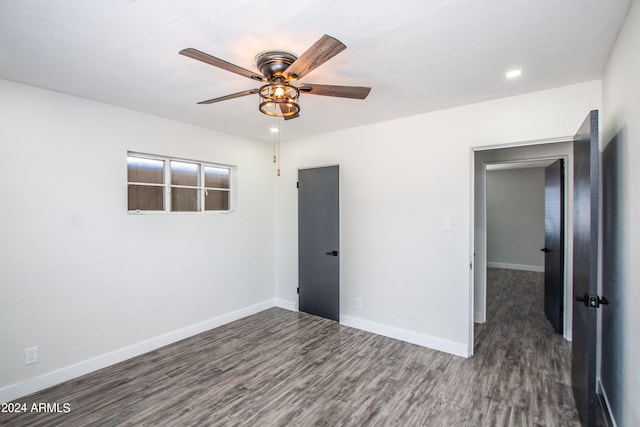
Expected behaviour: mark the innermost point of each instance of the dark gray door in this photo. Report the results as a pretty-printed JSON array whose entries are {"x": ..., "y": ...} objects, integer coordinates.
[
  {"x": 554, "y": 244},
  {"x": 585, "y": 267},
  {"x": 318, "y": 241}
]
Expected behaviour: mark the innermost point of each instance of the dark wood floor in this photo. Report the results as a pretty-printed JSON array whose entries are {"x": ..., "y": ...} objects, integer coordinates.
[{"x": 286, "y": 368}]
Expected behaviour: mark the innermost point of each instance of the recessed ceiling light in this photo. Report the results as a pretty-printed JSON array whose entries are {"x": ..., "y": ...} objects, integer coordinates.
[{"x": 512, "y": 74}]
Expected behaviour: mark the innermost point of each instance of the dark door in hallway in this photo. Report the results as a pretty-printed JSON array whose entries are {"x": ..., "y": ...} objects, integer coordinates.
[
  {"x": 585, "y": 267},
  {"x": 554, "y": 244},
  {"x": 318, "y": 241}
]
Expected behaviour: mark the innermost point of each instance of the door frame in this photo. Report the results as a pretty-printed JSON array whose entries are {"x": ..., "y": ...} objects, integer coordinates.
[{"x": 547, "y": 149}]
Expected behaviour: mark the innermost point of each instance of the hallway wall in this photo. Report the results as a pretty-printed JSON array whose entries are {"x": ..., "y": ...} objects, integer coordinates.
[{"x": 515, "y": 218}]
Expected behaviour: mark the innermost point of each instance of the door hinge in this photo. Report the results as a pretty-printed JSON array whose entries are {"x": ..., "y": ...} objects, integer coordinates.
[
  {"x": 298, "y": 291},
  {"x": 298, "y": 184},
  {"x": 592, "y": 302}
]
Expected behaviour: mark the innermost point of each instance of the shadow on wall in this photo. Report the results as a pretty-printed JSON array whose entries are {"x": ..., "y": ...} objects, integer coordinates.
[{"x": 613, "y": 270}]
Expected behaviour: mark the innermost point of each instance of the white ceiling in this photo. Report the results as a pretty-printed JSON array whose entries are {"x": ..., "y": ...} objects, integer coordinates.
[{"x": 417, "y": 55}]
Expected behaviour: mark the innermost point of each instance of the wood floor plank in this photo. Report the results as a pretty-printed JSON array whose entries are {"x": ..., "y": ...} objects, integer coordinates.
[{"x": 281, "y": 368}]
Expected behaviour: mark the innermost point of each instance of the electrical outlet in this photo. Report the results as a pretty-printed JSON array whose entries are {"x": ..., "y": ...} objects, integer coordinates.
[
  {"x": 30, "y": 355},
  {"x": 358, "y": 303}
]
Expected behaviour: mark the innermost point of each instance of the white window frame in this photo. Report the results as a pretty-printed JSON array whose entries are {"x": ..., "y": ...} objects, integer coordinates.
[{"x": 202, "y": 190}]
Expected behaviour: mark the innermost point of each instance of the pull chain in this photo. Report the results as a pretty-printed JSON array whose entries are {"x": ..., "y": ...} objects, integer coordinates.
[
  {"x": 276, "y": 145},
  {"x": 275, "y": 130},
  {"x": 278, "y": 164}
]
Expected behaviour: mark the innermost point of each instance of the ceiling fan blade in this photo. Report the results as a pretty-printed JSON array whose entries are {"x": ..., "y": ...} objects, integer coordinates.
[
  {"x": 220, "y": 63},
  {"x": 233, "y": 95},
  {"x": 323, "y": 50},
  {"x": 356, "y": 92}
]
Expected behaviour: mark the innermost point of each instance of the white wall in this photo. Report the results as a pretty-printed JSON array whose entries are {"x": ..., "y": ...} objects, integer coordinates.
[
  {"x": 515, "y": 218},
  {"x": 621, "y": 231},
  {"x": 79, "y": 277},
  {"x": 399, "y": 179}
]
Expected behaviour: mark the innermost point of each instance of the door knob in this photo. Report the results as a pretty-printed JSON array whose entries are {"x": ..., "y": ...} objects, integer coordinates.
[
  {"x": 593, "y": 302},
  {"x": 332, "y": 253},
  {"x": 583, "y": 299},
  {"x": 545, "y": 250}
]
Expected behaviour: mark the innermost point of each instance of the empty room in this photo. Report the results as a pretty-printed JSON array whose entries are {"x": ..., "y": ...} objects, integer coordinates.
[{"x": 319, "y": 213}]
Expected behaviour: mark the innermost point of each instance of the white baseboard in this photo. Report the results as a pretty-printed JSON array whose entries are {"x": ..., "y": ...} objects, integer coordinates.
[
  {"x": 287, "y": 305},
  {"x": 49, "y": 379},
  {"x": 523, "y": 267},
  {"x": 603, "y": 392},
  {"x": 439, "y": 344}
]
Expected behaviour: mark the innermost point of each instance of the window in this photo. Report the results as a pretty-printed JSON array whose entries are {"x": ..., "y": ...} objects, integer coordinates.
[
  {"x": 161, "y": 184},
  {"x": 146, "y": 184}
]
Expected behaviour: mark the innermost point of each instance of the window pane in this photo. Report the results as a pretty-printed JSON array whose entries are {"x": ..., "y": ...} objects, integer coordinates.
[
  {"x": 216, "y": 200},
  {"x": 183, "y": 173},
  {"x": 145, "y": 198},
  {"x": 216, "y": 177},
  {"x": 184, "y": 199},
  {"x": 145, "y": 170}
]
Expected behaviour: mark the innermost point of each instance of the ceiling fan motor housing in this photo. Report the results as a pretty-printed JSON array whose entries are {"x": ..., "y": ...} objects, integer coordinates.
[{"x": 273, "y": 63}]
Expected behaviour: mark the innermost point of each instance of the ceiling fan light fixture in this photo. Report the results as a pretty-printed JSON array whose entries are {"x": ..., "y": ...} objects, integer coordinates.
[
  {"x": 279, "y": 99},
  {"x": 279, "y": 108}
]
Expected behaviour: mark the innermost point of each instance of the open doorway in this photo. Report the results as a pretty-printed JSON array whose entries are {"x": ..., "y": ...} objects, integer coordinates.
[
  {"x": 528, "y": 155},
  {"x": 515, "y": 205},
  {"x": 525, "y": 229}
]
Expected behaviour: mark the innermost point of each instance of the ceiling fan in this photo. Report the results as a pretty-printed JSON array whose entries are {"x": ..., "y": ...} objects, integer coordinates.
[{"x": 278, "y": 70}]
